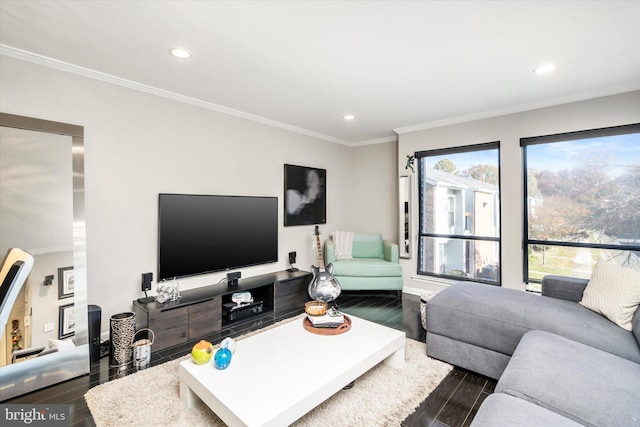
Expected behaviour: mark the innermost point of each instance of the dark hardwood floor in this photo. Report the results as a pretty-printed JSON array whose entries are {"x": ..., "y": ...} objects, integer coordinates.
[{"x": 453, "y": 403}]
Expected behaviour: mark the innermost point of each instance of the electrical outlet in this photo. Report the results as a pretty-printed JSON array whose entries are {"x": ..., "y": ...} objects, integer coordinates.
[{"x": 48, "y": 327}]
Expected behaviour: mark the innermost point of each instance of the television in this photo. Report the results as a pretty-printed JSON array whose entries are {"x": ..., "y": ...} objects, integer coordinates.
[{"x": 200, "y": 234}]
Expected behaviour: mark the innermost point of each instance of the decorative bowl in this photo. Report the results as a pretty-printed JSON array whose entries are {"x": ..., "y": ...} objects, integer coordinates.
[{"x": 315, "y": 308}]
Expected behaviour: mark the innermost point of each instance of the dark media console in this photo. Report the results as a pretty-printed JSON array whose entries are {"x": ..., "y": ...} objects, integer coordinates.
[{"x": 199, "y": 312}]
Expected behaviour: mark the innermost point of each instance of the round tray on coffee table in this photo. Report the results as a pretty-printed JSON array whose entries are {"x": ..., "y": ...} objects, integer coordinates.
[{"x": 346, "y": 325}]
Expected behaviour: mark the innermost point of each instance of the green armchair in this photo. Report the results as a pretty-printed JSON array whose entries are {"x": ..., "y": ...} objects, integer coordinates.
[{"x": 374, "y": 265}]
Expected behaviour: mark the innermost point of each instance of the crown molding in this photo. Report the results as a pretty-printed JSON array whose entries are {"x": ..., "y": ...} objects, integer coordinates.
[
  {"x": 521, "y": 108},
  {"x": 46, "y": 61},
  {"x": 382, "y": 140}
]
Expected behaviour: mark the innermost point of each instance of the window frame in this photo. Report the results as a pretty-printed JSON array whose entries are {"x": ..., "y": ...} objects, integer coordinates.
[
  {"x": 495, "y": 145},
  {"x": 554, "y": 138}
]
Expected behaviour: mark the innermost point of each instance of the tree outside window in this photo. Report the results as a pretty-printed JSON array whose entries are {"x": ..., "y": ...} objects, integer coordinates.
[{"x": 582, "y": 202}]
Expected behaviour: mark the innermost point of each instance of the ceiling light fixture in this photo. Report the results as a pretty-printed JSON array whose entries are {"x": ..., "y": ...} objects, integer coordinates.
[
  {"x": 180, "y": 52},
  {"x": 545, "y": 69},
  {"x": 349, "y": 117}
]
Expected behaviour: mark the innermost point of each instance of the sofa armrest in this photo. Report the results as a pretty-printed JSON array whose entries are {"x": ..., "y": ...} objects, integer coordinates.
[
  {"x": 563, "y": 287},
  {"x": 390, "y": 251},
  {"x": 329, "y": 251}
]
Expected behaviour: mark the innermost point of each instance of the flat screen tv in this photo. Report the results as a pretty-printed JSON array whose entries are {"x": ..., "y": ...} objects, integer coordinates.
[{"x": 199, "y": 234}]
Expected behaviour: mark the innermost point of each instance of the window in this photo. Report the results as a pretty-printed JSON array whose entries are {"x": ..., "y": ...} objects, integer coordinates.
[
  {"x": 582, "y": 199},
  {"x": 459, "y": 202}
]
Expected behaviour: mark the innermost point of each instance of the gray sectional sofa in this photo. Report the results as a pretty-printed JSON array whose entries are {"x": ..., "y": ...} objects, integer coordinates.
[{"x": 556, "y": 362}]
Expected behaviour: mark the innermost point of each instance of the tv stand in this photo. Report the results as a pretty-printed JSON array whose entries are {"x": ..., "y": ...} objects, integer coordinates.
[{"x": 198, "y": 313}]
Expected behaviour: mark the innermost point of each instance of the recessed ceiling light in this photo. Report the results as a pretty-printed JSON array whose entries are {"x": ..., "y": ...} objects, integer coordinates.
[
  {"x": 349, "y": 117},
  {"x": 180, "y": 52},
  {"x": 545, "y": 68}
]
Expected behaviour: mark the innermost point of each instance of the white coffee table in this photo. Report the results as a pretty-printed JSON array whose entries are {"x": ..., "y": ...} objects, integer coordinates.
[{"x": 277, "y": 376}]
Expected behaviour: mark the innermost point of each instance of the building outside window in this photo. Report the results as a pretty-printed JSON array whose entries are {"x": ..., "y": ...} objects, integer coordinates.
[
  {"x": 582, "y": 199},
  {"x": 459, "y": 204}
]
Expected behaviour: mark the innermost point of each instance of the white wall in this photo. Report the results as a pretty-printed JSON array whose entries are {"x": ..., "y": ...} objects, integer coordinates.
[
  {"x": 596, "y": 113},
  {"x": 373, "y": 191},
  {"x": 138, "y": 145},
  {"x": 44, "y": 299}
]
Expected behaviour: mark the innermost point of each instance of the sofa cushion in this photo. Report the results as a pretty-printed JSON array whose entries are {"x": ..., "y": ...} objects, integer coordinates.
[
  {"x": 367, "y": 246},
  {"x": 484, "y": 315},
  {"x": 577, "y": 381},
  {"x": 614, "y": 292},
  {"x": 366, "y": 267},
  {"x": 578, "y": 323},
  {"x": 503, "y": 410}
]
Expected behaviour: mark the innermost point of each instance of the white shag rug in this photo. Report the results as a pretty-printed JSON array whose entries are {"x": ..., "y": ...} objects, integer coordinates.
[{"x": 384, "y": 396}]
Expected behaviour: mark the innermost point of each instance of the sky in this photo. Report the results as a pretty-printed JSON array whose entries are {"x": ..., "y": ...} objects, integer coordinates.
[{"x": 617, "y": 152}]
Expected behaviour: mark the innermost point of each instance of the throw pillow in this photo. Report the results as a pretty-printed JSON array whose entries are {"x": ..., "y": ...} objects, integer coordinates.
[
  {"x": 614, "y": 292},
  {"x": 343, "y": 241}
]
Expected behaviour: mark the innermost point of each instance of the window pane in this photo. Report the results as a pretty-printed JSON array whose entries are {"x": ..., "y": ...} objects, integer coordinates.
[
  {"x": 464, "y": 258},
  {"x": 573, "y": 261},
  {"x": 460, "y": 194},
  {"x": 584, "y": 192}
]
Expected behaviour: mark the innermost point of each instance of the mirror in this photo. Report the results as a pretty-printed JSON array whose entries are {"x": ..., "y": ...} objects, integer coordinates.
[
  {"x": 42, "y": 212},
  {"x": 404, "y": 192}
]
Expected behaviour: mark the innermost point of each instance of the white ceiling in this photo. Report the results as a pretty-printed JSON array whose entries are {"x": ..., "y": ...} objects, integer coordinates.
[{"x": 303, "y": 65}]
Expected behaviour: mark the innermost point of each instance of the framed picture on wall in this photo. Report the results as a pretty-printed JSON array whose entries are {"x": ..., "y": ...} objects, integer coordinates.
[
  {"x": 66, "y": 321},
  {"x": 65, "y": 282},
  {"x": 305, "y": 195}
]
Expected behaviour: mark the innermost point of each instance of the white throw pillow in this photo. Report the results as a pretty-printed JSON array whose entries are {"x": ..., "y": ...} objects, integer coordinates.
[
  {"x": 343, "y": 243},
  {"x": 614, "y": 292},
  {"x": 61, "y": 345}
]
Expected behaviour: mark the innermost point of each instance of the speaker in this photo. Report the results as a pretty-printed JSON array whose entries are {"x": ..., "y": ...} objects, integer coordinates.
[
  {"x": 146, "y": 281},
  {"x": 232, "y": 278},
  {"x": 95, "y": 321},
  {"x": 292, "y": 260}
]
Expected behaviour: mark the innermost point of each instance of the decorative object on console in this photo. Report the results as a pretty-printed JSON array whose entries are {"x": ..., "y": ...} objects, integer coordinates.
[
  {"x": 201, "y": 352},
  {"x": 65, "y": 282},
  {"x": 222, "y": 358},
  {"x": 323, "y": 286},
  {"x": 168, "y": 291},
  {"x": 305, "y": 197}
]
